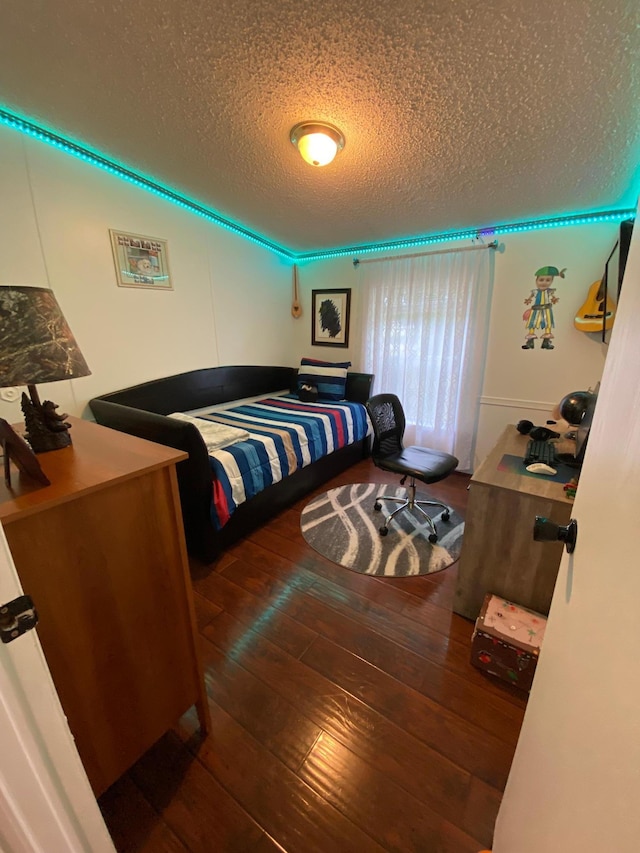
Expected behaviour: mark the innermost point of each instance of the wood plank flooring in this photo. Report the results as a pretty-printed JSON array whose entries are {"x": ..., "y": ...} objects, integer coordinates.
[{"x": 345, "y": 713}]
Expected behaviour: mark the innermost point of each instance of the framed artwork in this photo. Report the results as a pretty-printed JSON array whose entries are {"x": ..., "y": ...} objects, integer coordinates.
[
  {"x": 330, "y": 317},
  {"x": 141, "y": 261},
  {"x": 16, "y": 449}
]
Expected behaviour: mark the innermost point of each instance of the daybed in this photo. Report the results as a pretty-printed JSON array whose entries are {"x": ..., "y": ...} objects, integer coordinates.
[{"x": 143, "y": 410}]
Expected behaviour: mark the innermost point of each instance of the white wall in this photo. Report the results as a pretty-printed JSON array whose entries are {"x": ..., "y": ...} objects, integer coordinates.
[
  {"x": 231, "y": 298},
  {"x": 529, "y": 383},
  {"x": 518, "y": 383},
  {"x": 323, "y": 275}
]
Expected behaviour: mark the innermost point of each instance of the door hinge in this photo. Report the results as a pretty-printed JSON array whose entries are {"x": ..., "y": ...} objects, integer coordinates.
[{"x": 17, "y": 617}]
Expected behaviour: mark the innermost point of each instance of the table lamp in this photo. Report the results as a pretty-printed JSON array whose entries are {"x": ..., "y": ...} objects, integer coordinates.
[{"x": 37, "y": 345}]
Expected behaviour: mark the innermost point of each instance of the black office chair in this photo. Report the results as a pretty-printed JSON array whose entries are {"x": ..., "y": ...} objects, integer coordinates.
[{"x": 417, "y": 463}]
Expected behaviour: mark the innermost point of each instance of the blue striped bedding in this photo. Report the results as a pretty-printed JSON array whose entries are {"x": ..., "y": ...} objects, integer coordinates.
[{"x": 285, "y": 435}]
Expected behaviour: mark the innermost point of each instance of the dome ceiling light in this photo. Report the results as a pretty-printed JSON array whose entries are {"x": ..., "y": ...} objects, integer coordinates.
[{"x": 317, "y": 141}]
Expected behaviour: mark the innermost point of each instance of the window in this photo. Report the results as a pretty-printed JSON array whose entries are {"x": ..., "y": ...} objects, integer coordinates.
[{"x": 425, "y": 323}]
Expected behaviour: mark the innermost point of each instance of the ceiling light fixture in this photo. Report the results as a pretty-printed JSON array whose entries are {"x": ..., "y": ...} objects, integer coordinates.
[{"x": 317, "y": 141}]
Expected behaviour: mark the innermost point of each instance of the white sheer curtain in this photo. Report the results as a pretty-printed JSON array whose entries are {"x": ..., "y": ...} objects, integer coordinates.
[{"x": 425, "y": 327}]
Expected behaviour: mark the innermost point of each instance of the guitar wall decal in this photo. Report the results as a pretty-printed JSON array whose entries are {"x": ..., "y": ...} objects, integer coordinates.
[
  {"x": 296, "y": 308},
  {"x": 594, "y": 315}
]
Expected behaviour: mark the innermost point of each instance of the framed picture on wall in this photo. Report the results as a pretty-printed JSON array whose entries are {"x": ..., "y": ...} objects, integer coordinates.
[
  {"x": 141, "y": 261},
  {"x": 330, "y": 317}
]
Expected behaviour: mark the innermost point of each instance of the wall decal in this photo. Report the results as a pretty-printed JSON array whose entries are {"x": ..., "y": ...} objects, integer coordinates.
[{"x": 539, "y": 316}]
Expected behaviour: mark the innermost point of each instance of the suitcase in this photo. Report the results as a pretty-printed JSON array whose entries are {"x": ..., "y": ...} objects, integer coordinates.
[{"x": 506, "y": 640}]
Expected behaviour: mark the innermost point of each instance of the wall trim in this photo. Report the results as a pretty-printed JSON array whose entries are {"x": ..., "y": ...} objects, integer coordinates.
[{"x": 509, "y": 403}]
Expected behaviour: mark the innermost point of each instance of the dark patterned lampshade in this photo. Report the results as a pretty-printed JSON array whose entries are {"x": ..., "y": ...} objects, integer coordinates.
[{"x": 37, "y": 345}]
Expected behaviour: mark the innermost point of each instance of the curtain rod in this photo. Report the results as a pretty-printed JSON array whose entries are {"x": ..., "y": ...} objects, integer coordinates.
[{"x": 492, "y": 245}]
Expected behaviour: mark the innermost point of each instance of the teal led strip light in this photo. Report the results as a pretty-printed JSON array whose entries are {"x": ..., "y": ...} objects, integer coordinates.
[
  {"x": 472, "y": 234},
  {"x": 30, "y": 129},
  {"x": 82, "y": 153}
]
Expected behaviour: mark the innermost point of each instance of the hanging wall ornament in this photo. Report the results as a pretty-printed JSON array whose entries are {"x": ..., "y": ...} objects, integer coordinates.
[{"x": 296, "y": 308}]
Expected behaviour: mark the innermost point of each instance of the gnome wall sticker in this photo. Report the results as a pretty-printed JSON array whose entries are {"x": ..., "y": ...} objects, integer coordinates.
[{"x": 539, "y": 317}]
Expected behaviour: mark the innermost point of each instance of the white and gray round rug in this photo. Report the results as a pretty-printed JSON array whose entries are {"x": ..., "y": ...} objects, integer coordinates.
[{"x": 342, "y": 525}]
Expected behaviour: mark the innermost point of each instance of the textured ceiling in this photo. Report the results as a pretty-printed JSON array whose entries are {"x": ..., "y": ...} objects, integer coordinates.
[{"x": 456, "y": 114}]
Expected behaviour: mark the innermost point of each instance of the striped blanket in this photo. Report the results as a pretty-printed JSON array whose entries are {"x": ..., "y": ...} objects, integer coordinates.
[{"x": 284, "y": 435}]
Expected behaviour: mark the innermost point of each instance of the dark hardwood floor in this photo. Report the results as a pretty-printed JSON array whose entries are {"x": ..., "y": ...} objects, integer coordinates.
[{"x": 345, "y": 713}]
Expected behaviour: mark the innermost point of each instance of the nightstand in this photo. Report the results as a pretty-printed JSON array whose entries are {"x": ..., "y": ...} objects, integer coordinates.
[{"x": 102, "y": 553}]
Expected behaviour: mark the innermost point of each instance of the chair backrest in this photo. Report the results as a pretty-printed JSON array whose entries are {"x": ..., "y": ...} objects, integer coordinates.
[{"x": 388, "y": 421}]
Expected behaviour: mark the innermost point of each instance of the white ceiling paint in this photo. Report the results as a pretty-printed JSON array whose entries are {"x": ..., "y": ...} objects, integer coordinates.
[{"x": 456, "y": 114}]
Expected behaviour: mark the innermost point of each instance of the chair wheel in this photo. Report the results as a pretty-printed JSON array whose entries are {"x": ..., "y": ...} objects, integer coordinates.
[
  {"x": 377, "y": 506},
  {"x": 383, "y": 531},
  {"x": 433, "y": 538},
  {"x": 446, "y": 515}
]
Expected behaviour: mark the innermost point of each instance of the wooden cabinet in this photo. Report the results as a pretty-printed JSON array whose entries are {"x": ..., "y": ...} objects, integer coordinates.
[
  {"x": 101, "y": 552},
  {"x": 499, "y": 554}
]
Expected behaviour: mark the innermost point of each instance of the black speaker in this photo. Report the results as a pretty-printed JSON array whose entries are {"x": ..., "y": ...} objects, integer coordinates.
[
  {"x": 543, "y": 433},
  {"x": 538, "y": 433}
]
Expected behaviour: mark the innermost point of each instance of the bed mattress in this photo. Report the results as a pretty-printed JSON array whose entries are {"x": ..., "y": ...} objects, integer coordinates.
[{"x": 284, "y": 436}]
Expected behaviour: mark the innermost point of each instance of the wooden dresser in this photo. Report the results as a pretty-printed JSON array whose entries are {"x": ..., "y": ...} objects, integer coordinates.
[
  {"x": 101, "y": 551},
  {"x": 499, "y": 554}
]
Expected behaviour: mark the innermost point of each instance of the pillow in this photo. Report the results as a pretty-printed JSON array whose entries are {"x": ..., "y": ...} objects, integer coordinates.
[
  {"x": 329, "y": 377},
  {"x": 308, "y": 393}
]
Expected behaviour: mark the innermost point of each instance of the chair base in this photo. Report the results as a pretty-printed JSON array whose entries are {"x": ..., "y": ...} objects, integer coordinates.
[{"x": 411, "y": 503}]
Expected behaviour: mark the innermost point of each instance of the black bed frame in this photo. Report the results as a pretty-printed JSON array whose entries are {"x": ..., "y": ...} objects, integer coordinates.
[{"x": 141, "y": 410}]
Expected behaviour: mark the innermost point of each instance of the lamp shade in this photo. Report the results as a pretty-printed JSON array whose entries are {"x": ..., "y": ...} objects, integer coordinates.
[
  {"x": 36, "y": 343},
  {"x": 317, "y": 149}
]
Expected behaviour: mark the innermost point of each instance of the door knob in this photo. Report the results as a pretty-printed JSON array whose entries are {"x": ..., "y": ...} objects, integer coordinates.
[{"x": 545, "y": 530}]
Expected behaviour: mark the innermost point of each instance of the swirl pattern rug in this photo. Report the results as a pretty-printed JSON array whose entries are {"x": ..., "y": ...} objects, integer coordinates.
[{"x": 342, "y": 525}]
